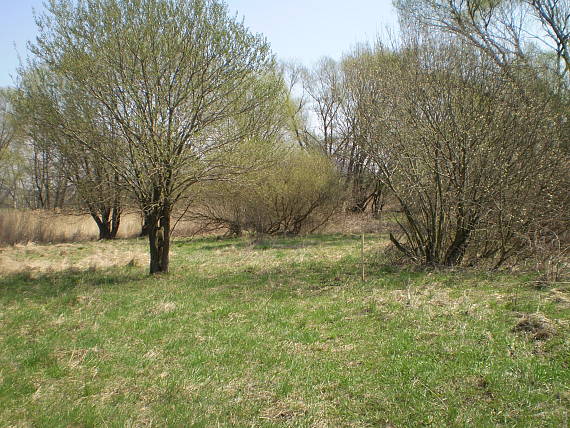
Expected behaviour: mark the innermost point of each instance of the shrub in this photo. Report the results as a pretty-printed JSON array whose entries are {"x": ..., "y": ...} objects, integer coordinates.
[{"x": 296, "y": 192}]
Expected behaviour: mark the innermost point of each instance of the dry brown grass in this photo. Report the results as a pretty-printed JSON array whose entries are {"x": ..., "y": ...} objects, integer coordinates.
[
  {"x": 49, "y": 227},
  {"x": 23, "y": 233},
  {"x": 36, "y": 260},
  {"x": 39, "y": 226},
  {"x": 347, "y": 223}
]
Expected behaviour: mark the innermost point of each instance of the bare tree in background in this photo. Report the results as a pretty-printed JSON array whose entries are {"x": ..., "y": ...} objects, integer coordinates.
[
  {"x": 334, "y": 91},
  {"x": 324, "y": 87},
  {"x": 294, "y": 75},
  {"x": 361, "y": 90},
  {"x": 506, "y": 30}
]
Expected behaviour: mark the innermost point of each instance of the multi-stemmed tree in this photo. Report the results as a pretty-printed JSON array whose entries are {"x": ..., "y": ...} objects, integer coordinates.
[
  {"x": 470, "y": 157},
  {"x": 176, "y": 79},
  {"x": 47, "y": 109}
]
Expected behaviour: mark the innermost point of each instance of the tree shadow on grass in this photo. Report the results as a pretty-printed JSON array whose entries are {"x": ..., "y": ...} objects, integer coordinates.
[
  {"x": 302, "y": 279},
  {"x": 41, "y": 287},
  {"x": 278, "y": 242}
]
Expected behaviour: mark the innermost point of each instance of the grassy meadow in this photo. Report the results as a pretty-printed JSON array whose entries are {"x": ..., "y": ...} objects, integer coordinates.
[{"x": 277, "y": 332}]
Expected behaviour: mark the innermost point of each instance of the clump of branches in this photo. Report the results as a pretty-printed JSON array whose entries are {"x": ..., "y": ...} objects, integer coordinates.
[
  {"x": 473, "y": 157},
  {"x": 508, "y": 62}
]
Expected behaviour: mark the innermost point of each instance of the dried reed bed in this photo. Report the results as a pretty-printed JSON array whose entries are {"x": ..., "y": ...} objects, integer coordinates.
[
  {"x": 49, "y": 227},
  {"x": 348, "y": 223}
]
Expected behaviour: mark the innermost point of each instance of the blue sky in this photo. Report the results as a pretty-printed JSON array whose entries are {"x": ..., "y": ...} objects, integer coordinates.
[{"x": 302, "y": 30}]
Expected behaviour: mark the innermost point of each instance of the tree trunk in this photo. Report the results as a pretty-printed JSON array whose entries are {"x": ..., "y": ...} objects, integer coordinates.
[
  {"x": 377, "y": 201},
  {"x": 102, "y": 224},
  {"x": 146, "y": 218},
  {"x": 115, "y": 221},
  {"x": 108, "y": 222},
  {"x": 455, "y": 253},
  {"x": 234, "y": 230},
  {"x": 104, "y": 231},
  {"x": 159, "y": 240},
  {"x": 116, "y": 210}
]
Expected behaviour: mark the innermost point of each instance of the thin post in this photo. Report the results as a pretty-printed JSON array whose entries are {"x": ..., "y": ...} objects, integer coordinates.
[{"x": 362, "y": 255}]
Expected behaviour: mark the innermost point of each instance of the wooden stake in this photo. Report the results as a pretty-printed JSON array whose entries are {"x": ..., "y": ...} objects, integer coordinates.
[{"x": 362, "y": 255}]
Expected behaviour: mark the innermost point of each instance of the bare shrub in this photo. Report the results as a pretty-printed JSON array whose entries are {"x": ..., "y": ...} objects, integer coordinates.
[
  {"x": 471, "y": 156},
  {"x": 525, "y": 45}
]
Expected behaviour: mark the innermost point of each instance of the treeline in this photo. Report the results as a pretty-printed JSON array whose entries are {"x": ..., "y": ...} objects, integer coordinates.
[{"x": 176, "y": 109}]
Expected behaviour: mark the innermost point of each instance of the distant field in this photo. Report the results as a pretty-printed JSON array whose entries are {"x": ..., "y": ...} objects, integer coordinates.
[{"x": 274, "y": 333}]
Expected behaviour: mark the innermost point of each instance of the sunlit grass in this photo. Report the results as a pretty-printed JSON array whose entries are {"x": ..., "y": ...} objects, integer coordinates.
[{"x": 278, "y": 332}]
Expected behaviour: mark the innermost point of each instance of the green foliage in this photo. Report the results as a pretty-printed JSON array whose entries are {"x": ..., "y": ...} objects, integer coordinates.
[{"x": 293, "y": 191}]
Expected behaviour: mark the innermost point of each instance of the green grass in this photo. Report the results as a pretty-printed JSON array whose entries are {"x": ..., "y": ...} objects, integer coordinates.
[{"x": 280, "y": 333}]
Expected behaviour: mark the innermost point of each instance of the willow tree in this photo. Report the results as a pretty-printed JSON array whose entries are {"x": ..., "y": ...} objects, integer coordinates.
[
  {"x": 174, "y": 76},
  {"x": 6, "y": 128},
  {"x": 505, "y": 30},
  {"x": 45, "y": 109}
]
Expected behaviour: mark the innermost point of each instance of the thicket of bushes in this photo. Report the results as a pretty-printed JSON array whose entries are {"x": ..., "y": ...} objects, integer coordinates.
[{"x": 474, "y": 158}]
